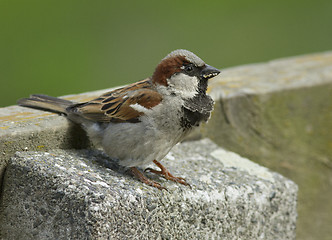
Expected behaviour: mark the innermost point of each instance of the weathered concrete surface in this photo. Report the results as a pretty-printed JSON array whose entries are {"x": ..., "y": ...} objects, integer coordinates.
[
  {"x": 279, "y": 114},
  {"x": 81, "y": 194},
  {"x": 28, "y": 129}
]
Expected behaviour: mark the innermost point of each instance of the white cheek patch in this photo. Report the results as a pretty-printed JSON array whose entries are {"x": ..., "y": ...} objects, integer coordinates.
[{"x": 183, "y": 84}]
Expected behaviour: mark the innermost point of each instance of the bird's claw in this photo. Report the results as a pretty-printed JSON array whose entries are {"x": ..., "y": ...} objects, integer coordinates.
[{"x": 166, "y": 174}]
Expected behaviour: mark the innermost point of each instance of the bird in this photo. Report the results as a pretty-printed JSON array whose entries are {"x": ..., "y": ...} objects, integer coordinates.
[{"x": 140, "y": 123}]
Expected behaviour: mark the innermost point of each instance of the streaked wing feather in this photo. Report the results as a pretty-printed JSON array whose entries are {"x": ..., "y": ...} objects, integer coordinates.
[{"x": 115, "y": 106}]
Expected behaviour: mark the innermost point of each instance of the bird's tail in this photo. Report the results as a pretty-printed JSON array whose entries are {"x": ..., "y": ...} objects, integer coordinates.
[{"x": 45, "y": 102}]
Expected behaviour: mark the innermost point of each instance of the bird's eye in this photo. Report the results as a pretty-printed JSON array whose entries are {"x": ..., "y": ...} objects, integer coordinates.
[{"x": 188, "y": 68}]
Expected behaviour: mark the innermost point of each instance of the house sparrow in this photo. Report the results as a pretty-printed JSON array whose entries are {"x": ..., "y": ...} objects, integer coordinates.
[{"x": 141, "y": 122}]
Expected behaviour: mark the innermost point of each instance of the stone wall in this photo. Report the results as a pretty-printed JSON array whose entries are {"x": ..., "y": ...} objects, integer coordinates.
[{"x": 278, "y": 114}]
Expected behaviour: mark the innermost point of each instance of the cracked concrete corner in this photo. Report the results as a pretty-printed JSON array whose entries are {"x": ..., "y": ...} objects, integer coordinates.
[{"x": 82, "y": 194}]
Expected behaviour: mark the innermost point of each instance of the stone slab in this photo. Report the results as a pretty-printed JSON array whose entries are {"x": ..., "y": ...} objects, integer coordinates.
[
  {"x": 82, "y": 194},
  {"x": 24, "y": 129},
  {"x": 279, "y": 114}
]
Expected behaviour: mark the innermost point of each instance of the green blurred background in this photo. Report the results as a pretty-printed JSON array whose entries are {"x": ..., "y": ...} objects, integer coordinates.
[{"x": 66, "y": 47}]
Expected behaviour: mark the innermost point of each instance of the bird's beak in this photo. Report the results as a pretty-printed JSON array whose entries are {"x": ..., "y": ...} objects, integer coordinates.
[{"x": 209, "y": 72}]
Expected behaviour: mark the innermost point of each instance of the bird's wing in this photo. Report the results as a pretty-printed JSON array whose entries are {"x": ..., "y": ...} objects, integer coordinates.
[{"x": 120, "y": 105}]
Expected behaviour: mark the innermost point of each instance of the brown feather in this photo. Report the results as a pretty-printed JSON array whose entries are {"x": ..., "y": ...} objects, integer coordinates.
[
  {"x": 167, "y": 67},
  {"x": 115, "y": 106}
]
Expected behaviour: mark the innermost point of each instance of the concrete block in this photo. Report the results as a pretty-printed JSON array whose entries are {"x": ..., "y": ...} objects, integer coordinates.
[
  {"x": 24, "y": 129},
  {"x": 279, "y": 114},
  {"x": 82, "y": 194}
]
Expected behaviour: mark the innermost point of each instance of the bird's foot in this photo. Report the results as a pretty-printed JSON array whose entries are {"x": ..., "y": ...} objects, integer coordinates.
[
  {"x": 137, "y": 173},
  {"x": 166, "y": 174}
]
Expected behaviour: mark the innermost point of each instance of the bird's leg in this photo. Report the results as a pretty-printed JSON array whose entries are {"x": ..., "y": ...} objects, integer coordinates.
[
  {"x": 137, "y": 173},
  {"x": 163, "y": 171}
]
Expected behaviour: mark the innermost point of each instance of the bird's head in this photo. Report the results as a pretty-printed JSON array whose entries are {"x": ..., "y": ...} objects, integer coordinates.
[{"x": 182, "y": 72}]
